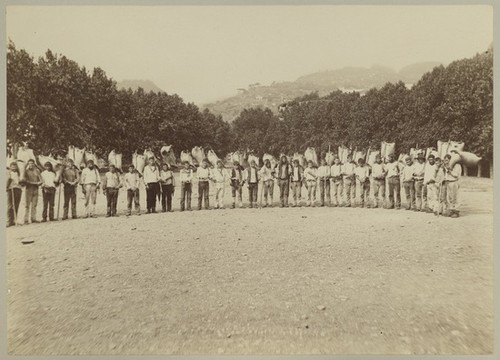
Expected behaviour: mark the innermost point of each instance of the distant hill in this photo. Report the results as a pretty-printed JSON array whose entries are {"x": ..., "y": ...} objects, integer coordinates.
[
  {"x": 346, "y": 79},
  {"x": 147, "y": 85}
]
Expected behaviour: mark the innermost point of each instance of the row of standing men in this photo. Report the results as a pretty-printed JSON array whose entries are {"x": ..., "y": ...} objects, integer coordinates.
[{"x": 430, "y": 185}]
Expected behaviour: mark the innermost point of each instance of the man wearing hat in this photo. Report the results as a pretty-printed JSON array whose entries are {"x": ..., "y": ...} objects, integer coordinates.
[
  {"x": 90, "y": 181},
  {"x": 418, "y": 177}
]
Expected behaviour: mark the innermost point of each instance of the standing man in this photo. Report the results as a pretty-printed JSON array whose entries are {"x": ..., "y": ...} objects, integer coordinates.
[
  {"x": 451, "y": 178},
  {"x": 418, "y": 177},
  {"x": 48, "y": 191},
  {"x": 132, "y": 179},
  {"x": 393, "y": 182},
  {"x": 430, "y": 184},
  {"x": 151, "y": 176},
  {"x": 167, "y": 183},
  {"x": 186, "y": 178},
  {"x": 267, "y": 175},
  {"x": 336, "y": 181},
  {"x": 296, "y": 178},
  {"x": 203, "y": 175},
  {"x": 283, "y": 174},
  {"x": 32, "y": 181},
  {"x": 90, "y": 181},
  {"x": 324, "y": 183},
  {"x": 110, "y": 188},
  {"x": 219, "y": 178},
  {"x": 409, "y": 184},
  {"x": 378, "y": 175},
  {"x": 311, "y": 178},
  {"x": 14, "y": 192},
  {"x": 349, "y": 182},
  {"x": 237, "y": 183},
  {"x": 362, "y": 173},
  {"x": 70, "y": 179},
  {"x": 253, "y": 183}
]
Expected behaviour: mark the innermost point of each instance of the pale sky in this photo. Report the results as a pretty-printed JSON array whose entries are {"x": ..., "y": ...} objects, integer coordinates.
[{"x": 204, "y": 53}]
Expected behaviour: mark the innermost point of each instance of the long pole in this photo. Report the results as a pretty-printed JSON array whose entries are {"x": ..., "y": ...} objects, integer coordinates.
[
  {"x": 14, "y": 205},
  {"x": 58, "y": 201}
]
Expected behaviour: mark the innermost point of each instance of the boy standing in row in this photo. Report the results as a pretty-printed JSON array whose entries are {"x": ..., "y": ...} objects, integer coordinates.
[
  {"x": 267, "y": 175},
  {"x": 336, "y": 181},
  {"x": 110, "y": 187},
  {"x": 186, "y": 177},
  {"x": 349, "y": 182},
  {"x": 324, "y": 183},
  {"x": 311, "y": 180},
  {"x": 237, "y": 183},
  {"x": 379, "y": 173},
  {"x": 362, "y": 173},
  {"x": 132, "y": 180},
  {"x": 90, "y": 181},
  {"x": 253, "y": 184},
  {"x": 203, "y": 175},
  {"x": 219, "y": 178},
  {"x": 70, "y": 178},
  {"x": 32, "y": 181}
]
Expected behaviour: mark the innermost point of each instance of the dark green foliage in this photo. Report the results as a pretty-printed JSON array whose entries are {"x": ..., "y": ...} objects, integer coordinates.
[{"x": 53, "y": 103}]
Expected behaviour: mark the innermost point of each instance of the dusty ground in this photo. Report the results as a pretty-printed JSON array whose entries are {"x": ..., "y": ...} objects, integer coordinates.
[{"x": 260, "y": 281}]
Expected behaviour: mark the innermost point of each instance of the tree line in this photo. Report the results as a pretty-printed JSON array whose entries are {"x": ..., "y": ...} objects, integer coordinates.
[{"x": 52, "y": 102}]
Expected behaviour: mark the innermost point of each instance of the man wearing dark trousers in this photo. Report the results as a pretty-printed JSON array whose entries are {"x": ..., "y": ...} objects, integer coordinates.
[{"x": 70, "y": 179}]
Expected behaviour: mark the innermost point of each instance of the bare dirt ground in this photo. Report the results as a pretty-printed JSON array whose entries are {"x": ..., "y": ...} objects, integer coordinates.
[{"x": 256, "y": 281}]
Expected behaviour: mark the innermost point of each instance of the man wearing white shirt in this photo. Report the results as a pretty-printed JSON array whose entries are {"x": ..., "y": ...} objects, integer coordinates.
[
  {"x": 336, "y": 181},
  {"x": 203, "y": 175},
  {"x": 267, "y": 175},
  {"x": 186, "y": 178},
  {"x": 131, "y": 180},
  {"x": 418, "y": 177},
  {"x": 219, "y": 178},
  {"x": 110, "y": 188},
  {"x": 451, "y": 178},
  {"x": 409, "y": 184},
  {"x": 430, "y": 184},
  {"x": 90, "y": 181},
  {"x": 253, "y": 183},
  {"x": 362, "y": 173},
  {"x": 151, "y": 175},
  {"x": 296, "y": 179},
  {"x": 378, "y": 175},
  {"x": 324, "y": 182},
  {"x": 393, "y": 182},
  {"x": 349, "y": 182}
]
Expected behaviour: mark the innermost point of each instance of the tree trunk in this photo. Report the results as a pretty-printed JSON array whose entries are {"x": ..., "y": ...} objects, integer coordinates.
[
  {"x": 465, "y": 171},
  {"x": 479, "y": 166}
]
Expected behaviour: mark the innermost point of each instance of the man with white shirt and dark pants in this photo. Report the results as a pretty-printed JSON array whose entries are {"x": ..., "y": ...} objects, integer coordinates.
[
  {"x": 253, "y": 183},
  {"x": 110, "y": 188},
  {"x": 90, "y": 181},
  {"x": 336, "y": 182},
  {"x": 349, "y": 182},
  {"x": 203, "y": 175},
  {"x": 393, "y": 183},
  {"x": 151, "y": 176},
  {"x": 378, "y": 175}
]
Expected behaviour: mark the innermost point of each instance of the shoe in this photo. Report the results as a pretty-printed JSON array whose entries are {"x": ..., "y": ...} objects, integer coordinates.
[
  {"x": 108, "y": 215},
  {"x": 454, "y": 214},
  {"x": 138, "y": 213},
  {"x": 164, "y": 210},
  {"x": 64, "y": 218},
  {"x": 74, "y": 217},
  {"x": 436, "y": 213},
  {"x": 129, "y": 213},
  {"x": 250, "y": 206},
  {"x": 44, "y": 220},
  {"x": 233, "y": 206}
]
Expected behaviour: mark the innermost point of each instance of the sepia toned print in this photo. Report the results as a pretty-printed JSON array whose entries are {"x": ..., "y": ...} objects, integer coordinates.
[{"x": 249, "y": 180}]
